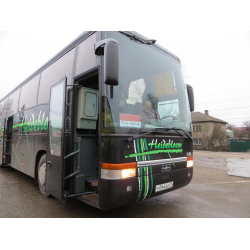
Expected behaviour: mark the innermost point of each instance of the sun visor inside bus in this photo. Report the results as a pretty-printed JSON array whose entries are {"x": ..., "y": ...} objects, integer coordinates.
[
  {"x": 165, "y": 84},
  {"x": 87, "y": 108}
]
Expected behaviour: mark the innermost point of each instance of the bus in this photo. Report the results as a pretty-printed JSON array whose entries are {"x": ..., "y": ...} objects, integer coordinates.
[{"x": 106, "y": 121}]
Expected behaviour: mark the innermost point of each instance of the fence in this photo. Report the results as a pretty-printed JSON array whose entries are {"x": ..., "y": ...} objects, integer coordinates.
[{"x": 240, "y": 146}]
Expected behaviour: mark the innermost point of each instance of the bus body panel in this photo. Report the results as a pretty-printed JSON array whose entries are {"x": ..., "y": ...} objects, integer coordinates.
[
  {"x": 28, "y": 138},
  {"x": 1, "y": 139}
]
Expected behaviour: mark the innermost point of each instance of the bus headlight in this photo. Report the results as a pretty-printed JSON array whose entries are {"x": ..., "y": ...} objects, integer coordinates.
[
  {"x": 190, "y": 162},
  {"x": 126, "y": 173},
  {"x": 118, "y": 170}
]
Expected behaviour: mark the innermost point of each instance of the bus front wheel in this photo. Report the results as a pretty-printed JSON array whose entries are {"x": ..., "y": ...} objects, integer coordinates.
[{"x": 42, "y": 175}]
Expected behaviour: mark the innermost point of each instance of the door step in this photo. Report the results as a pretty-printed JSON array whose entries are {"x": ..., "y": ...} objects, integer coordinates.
[
  {"x": 91, "y": 199},
  {"x": 4, "y": 166},
  {"x": 92, "y": 184}
]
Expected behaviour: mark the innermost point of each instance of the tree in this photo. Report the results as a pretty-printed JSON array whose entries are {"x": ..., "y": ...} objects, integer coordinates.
[
  {"x": 246, "y": 131},
  {"x": 230, "y": 126},
  {"x": 5, "y": 110},
  {"x": 213, "y": 136},
  {"x": 218, "y": 137}
]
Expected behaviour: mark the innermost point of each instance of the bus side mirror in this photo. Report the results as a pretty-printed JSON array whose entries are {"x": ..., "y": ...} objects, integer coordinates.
[
  {"x": 190, "y": 97},
  {"x": 111, "y": 51}
]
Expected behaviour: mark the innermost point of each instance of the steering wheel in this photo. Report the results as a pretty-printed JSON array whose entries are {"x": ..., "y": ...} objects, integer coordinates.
[{"x": 167, "y": 117}]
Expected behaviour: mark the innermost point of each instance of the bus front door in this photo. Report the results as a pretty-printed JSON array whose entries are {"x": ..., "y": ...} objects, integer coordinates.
[
  {"x": 7, "y": 136},
  {"x": 55, "y": 142}
]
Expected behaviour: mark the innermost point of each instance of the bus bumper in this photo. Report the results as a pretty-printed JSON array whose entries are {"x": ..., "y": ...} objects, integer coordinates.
[{"x": 121, "y": 192}]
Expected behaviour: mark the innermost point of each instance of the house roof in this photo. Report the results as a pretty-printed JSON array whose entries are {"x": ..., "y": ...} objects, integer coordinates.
[
  {"x": 240, "y": 128},
  {"x": 200, "y": 117}
]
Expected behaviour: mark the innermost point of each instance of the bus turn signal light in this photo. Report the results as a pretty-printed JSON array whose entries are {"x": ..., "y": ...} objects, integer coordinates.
[
  {"x": 190, "y": 162},
  {"x": 118, "y": 166}
]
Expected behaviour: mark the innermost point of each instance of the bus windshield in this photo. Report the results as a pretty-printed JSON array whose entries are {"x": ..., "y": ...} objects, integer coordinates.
[{"x": 151, "y": 92}]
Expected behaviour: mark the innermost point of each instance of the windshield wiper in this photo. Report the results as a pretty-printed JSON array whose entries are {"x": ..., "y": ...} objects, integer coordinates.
[
  {"x": 190, "y": 139},
  {"x": 160, "y": 131},
  {"x": 139, "y": 39},
  {"x": 140, "y": 135}
]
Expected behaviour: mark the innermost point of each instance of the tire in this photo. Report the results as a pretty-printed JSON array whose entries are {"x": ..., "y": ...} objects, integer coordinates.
[{"x": 41, "y": 174}]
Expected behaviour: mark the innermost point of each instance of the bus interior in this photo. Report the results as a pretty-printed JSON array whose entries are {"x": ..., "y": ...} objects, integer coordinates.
[{"x": 86, "y": 98}]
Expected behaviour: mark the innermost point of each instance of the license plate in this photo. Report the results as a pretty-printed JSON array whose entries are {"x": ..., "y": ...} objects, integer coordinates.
[{"x": 164, "y": 186}]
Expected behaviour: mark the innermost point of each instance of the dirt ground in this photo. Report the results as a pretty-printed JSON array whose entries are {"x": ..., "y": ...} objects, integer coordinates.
[{"x": 212, "y": 193}]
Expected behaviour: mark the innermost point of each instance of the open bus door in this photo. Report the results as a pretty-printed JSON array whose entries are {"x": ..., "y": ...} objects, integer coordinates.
[
  {"x": 55, "y": 142},
  {"x": 7, "y": 136}
]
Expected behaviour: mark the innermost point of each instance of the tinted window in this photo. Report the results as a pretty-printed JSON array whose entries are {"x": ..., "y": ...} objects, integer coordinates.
[
  {"x": 13, "y": 102},
  {"x": 55, "y": 118},
  {"x": 59, "y": 69},
  {"x": 1, "y": 110},
  {"x": 6, "y": 108},
  {"x": 86, "y": 57},
  {"x": 1, "y": 129},
  {"x": 29, "y": 94}
]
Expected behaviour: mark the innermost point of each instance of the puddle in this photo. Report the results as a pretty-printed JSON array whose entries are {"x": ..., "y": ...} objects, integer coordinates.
[{"x": 238, "y": 167}]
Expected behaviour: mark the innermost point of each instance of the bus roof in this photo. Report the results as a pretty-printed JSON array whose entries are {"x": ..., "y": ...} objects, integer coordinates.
[
  {"x": 64, "y": 51},
  {"x": 69, "y": 47}
]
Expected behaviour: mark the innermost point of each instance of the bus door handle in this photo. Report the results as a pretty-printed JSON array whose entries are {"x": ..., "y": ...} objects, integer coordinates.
[{"x": 49, "y": 164}]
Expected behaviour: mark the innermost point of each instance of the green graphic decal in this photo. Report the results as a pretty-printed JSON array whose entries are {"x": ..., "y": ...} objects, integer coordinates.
[
  {"x": 142, "y": 150},
  {"x": 140, "y": 184},
  {"x": 163, "y": 144},
  {"x": 169, "y": 151},
  {"x": 145, "y": 181},
  {"x": 138, "y": 150},
  {"x": 162, "y": 147},
  {"x": 151, "y": 182},
  {"x": 17, "y": 158},
  {"x": 33, "y": 125},
  {"x": 146, "y": 147},
  {"x": 27, "y": 140}
]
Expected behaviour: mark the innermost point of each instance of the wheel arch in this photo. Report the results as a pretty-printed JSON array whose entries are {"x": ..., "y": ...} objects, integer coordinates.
[{"x": 38, "y": 157}]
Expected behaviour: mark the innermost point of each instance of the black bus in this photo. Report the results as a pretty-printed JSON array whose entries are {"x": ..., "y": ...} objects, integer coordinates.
[{"x": 107, "y": 121}]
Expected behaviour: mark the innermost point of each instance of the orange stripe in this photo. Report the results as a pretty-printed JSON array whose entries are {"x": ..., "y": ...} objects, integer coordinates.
[
  {"x": 190, "y": 158},
  {"x": 119, "y": 166}
]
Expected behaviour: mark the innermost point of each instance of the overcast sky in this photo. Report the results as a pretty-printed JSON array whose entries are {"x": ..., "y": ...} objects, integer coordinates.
[{"x": 218, "y": 64}]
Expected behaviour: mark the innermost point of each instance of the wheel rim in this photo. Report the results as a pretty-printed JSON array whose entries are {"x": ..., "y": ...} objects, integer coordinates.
[{"x": 42, "y": 174}]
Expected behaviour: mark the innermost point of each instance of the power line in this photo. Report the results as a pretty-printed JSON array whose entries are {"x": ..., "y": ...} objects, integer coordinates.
[
  {"x": 226, "y": 114},
  {"x": 223, "y": 92},
  {"x": 225, "y": 109},
  {"x": 223, "y": 114},
  {"x": 238, "y": 118},
  {"x": 223, "y": 101},
  {"x": 229, "y": 109}
]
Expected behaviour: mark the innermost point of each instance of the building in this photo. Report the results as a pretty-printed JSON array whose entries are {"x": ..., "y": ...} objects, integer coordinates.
[
  {"x": 241, "y": 133},
  {"x": 230, "y": 133},
  {"x": 208, "y": 132}
]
